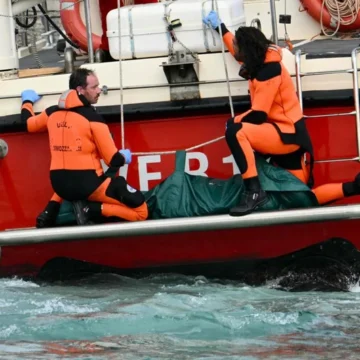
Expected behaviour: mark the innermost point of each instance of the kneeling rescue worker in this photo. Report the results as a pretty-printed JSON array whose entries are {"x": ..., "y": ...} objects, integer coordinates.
[
  {"x": 79, "y": 138},
  {"x": 274, "y": 126}
]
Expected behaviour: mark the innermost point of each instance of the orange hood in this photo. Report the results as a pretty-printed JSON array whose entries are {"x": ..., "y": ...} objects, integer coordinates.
[{"x": 70, "y": 99}]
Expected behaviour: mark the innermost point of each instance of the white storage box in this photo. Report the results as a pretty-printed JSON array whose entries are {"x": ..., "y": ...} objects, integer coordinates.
[{"x": 144, "y": 29}]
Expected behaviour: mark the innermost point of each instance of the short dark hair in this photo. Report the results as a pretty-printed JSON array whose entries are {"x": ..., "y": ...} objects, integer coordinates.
[{"x": 79, "y": 78}]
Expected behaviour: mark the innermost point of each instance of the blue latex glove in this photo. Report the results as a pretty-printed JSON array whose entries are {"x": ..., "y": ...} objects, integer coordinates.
[
  {"x": 30, "y": 95},
  {"x": 212, "y": 19},
  {"x": 126, "y": 153}
]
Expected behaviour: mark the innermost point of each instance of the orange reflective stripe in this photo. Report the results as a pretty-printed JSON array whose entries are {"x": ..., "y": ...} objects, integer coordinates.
[{"x": 104, "y": 141}]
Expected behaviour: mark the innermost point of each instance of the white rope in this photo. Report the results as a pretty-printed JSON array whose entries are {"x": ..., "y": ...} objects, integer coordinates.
[
  {"x": 344, "y": 12},
  {"x": 224, "y": 60},
  {"x": 174, "y": 151},
  {"x": 121, "y": 82}
]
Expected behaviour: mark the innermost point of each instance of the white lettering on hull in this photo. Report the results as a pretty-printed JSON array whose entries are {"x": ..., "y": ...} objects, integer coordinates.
[
  {"x": 145, "y": 176},
  {"x": 230, "y": 160},
  {"x": 203, "y": 161}
]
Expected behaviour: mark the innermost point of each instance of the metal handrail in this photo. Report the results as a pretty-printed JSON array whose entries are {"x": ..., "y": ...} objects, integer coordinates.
[
  {"x": 179, "y": 225},
  {"x": 298, "y": 78},
  {"x": 89, "y": 31},
  {"x": 330, "y": 115},
  {"x": 106, "y": 89},
  {"x": 327, "y": 72},
  {"x": 356, "y": 95},
  {"x": 256, "y": 23},
  {"x": 353, "y": 71}
]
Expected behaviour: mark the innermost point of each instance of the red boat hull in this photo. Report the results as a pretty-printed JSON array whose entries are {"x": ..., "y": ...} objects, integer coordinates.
[
  {"x": 25, "y": 189},
  {"x": 253, "y": 255}
]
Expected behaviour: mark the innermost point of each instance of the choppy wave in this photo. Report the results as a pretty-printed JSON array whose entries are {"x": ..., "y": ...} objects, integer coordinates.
[{"x": 174, "y": 317}]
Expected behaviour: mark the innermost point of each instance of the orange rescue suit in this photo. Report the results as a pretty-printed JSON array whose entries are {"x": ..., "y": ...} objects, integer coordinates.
[
  {"x": 274, "y": 125},
  {"x": 79, "y": 138}
]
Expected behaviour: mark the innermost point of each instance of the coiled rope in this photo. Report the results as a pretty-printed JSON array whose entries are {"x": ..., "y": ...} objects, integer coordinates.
[{"x": 344, "y": 12}]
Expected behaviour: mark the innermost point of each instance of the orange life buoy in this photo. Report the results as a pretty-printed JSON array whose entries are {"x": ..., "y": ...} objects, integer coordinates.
[
  {"x": 74, "y": 26},
  {"x": 313, "y": 7}
]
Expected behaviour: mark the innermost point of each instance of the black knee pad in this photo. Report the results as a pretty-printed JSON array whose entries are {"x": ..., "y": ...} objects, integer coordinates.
[
  {"x": 231, "y": 131},
  {"x": 120, "y": 190},
  {"x": 292, "y": 161}
]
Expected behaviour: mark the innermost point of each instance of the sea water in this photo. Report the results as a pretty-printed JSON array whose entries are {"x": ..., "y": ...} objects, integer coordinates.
[{"x": 174, "y": 317}]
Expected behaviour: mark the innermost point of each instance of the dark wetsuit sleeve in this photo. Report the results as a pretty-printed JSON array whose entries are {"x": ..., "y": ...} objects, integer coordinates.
[
  {"x": 105, "y": 144},
  {"x": 35, "y": 123}
]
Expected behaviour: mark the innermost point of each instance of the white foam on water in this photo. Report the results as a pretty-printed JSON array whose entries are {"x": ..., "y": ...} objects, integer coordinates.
[
  {"x": 58, "y": 305},
  {"x": 21, "y": 348},
  {"x": 7, "y": 331},
  {"x": 17, "y": 283},
  {"x": 354, "y": 288}
]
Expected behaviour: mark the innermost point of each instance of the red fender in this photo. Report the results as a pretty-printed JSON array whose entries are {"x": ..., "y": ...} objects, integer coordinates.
[{"x": 74, "y": 26}]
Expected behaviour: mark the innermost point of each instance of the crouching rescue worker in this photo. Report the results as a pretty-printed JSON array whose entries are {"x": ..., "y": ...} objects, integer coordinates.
[
  {"x": 79, "y": 138},
  {"x": 275, "y": 124}
]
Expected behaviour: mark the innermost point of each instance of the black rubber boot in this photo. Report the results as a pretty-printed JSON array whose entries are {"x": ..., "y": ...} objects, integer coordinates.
[
  {"x": 352, "y": 187},
  {"x": 47, "y": 218},
  {"x": 253, "y": 198},
  {"x": 82, "y": 212},
  {"x": 86, "y": 212}
]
